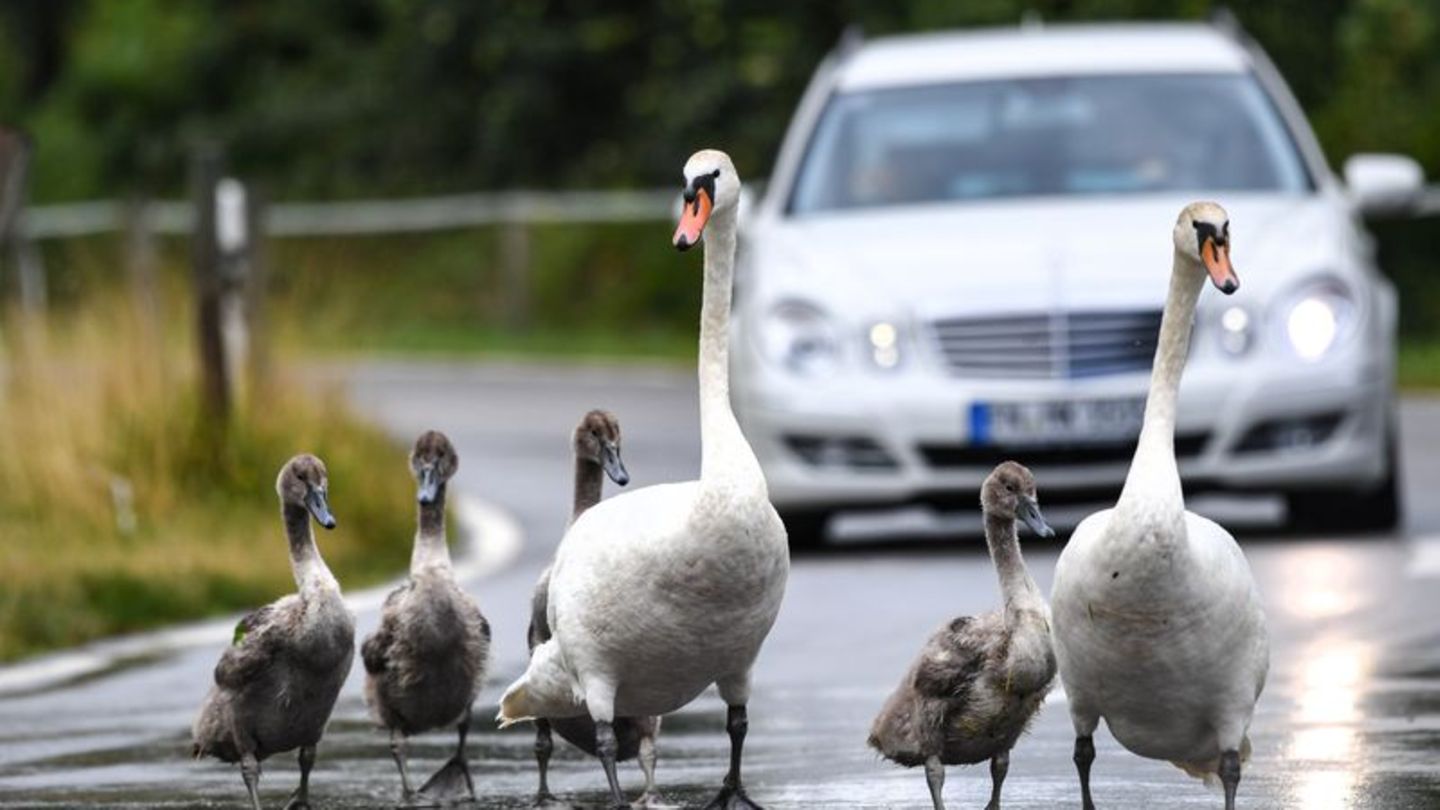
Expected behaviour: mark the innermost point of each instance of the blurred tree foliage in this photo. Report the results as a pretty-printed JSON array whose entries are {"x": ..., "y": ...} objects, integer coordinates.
[
  {"x": 348, "y": 98},
  {"x": 336, "y": 98}
]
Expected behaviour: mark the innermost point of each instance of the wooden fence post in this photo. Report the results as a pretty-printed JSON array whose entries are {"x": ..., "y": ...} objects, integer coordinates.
[
  {"x": 15, "y": 152},
  {"x": 205, "y": 171},
  {"x": 257, "y": 281},
  {"x": 232, "y": 236},
  {"x": 140, "y": 268},
  {"x": 515, "y": 273}
]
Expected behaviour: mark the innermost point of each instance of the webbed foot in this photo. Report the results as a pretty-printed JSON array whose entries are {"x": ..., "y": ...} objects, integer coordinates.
[
  {"x": 650, "y": 800},
  {"x": 548, "y": 801},
  {"x": 732, "y": 798},
  {"x": 298, "y": 801},
  {"x": 449, "y": 784},
  {"x": 415, "y": 801}
]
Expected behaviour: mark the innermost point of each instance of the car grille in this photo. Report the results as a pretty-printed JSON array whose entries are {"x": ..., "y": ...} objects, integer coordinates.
[
  {"x": 954, "y": 456},
  {"x": 1063, "y": 345}
]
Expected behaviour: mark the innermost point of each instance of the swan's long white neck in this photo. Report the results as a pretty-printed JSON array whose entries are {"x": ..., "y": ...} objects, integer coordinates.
[
  {"x": 430, "y": 549},
  {"x": 1153, "y": 484},
  {"x": 311, "y": 574},
  {"x": 726, "y": 458}
]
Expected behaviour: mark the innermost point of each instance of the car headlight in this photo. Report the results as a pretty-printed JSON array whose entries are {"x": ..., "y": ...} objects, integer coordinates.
[
  {"x": 1237, "y": 331},
  {"x": 884, "y": 340},
  {"x": 1319, "y": 317},
  {"x": 798, "y": 337}
]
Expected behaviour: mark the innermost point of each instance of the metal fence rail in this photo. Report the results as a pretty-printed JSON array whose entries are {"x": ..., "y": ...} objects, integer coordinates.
[
  {"x": 415, "y": 215},
  {"x": 1429, "y": 203},
  {"x": 371, "y": 216}
]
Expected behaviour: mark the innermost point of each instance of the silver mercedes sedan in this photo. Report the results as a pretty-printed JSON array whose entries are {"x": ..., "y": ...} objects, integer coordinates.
[{"x": 963, "y": 252}]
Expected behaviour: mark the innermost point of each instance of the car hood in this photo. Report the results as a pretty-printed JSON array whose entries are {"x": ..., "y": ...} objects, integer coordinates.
[{"x": 997, "y": 257}]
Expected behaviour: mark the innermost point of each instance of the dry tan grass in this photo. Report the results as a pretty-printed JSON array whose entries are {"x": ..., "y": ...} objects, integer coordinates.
[{"x": 121, "y": 508}]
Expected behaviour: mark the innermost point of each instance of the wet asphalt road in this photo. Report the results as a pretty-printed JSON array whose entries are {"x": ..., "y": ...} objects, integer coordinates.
[{"x": 1350, "y": 717}]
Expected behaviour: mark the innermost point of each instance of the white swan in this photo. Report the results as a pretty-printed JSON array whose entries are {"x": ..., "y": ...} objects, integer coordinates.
[
  {"x": 596, "y": 446},
  {"x": 1158, "y": 624},
  {"x": 658, "y": 593}
]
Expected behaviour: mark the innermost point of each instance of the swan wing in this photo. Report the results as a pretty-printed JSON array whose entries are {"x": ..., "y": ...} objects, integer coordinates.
[
  {"x": 375, "y": 651},
  {"x": 253, "y": 646},
  {"x": 547, "y": 689},
  {"x": 941, "y": 684},
  {"x": 952, "y": 661},
  {"x": 615, "y": 549},
  {"x": 631, "y": 519},
  {"x": 1224, "y": 563},
  {"x": 1074, "y": 568},
  {"x": 539, "y": 631}
]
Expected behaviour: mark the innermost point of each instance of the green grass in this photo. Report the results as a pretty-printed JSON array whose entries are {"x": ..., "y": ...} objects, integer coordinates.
[
  {"x": 616, "y": 291},
  {"x": 1419, "y": 364},
  {"x": 122, "y": 508}
]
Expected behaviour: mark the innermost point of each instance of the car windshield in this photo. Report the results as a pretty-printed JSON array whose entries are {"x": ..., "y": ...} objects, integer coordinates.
[{"x": 1046, "y": 136}]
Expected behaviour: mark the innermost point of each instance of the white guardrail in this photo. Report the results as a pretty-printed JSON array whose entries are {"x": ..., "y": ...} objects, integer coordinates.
[
  {"x": 1429, "y": 202},
  {"x": 409, "y": 215}
]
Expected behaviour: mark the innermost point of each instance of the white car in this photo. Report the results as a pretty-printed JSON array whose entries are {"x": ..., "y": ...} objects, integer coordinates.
[{"x": 962, "y": 255}]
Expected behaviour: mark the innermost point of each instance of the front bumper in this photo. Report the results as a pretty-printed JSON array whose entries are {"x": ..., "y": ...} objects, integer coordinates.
[{"x": 881, "y": 442}]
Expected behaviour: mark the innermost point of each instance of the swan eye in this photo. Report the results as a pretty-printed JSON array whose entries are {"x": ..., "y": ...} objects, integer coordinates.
[{"x": 715, "y": 173}]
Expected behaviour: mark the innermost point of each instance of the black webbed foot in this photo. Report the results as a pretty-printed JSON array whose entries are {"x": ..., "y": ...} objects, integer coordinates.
[
  {"x": 732, "y": 798},
  {"x": 548, "y": 801},
  {"x": 449, "y": 784}
]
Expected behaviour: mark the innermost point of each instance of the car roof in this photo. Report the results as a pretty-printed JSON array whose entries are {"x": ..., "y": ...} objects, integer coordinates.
[{"x": 1041, "y": 50}]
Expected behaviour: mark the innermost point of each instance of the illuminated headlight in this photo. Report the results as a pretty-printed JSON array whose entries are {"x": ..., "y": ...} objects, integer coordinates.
[
  {"x": 798, "y": 337},
  {"x": 1237, "y": 331},
  {"x": 1319, "y": 318},
  {"x": 884, "y": 339}
]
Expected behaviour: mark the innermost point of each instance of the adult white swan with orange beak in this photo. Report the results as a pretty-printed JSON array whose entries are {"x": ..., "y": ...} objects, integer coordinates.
[
  {"x": 1158, "y": 624},
  {"x": 656, "y": 594}
]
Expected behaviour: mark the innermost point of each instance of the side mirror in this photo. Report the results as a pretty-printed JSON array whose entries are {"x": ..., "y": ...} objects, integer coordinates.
[{"x": 1384, "y": 184}]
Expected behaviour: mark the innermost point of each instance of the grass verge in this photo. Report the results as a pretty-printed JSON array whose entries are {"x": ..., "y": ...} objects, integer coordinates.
[
  {"x": 122, "y": 508},
  {"x": 1419, "y": 364},
  {"x": 617, "y": 292}
]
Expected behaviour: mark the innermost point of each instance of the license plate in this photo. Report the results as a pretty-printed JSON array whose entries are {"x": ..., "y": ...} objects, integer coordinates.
[{"x": 1056, "y": 421}]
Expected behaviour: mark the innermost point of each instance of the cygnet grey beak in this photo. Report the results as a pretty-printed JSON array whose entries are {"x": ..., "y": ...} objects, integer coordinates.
[
  {"x": 429, "y": 485},
  {"x": 1029, "y": 512},
  {"x": 319, "y": 506},
  {"x": 614, "y": 467}
]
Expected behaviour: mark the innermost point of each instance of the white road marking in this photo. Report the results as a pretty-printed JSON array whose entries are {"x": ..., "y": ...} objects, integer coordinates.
[{"x": 489, "y": 540}]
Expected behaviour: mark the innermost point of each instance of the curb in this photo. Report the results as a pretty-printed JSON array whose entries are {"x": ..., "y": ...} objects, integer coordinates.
[{"x": 475, "y": 519}]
